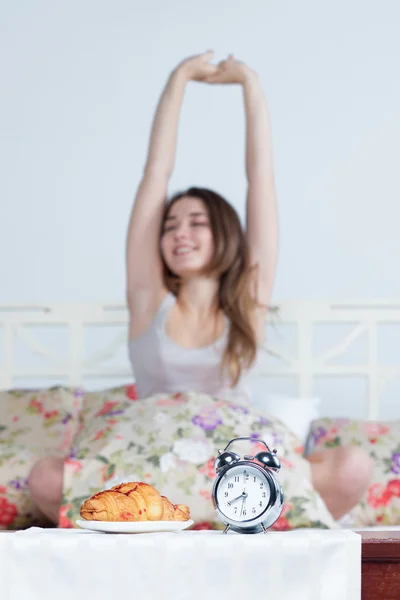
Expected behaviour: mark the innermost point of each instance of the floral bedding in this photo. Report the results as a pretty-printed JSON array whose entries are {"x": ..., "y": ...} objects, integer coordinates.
[{"x": 171, "y": 442}]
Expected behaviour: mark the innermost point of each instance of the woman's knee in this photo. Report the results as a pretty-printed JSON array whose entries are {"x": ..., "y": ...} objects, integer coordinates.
[
  {"x": 46, "y": 478},
  {"x": 341, "y": 475},
  {"x": 354, "y": 468}
]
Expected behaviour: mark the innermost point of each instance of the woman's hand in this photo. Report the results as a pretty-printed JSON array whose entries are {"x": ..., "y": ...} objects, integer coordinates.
[
  {"x": 198, "y": 68},
  {"x": 230, "y": 71}
]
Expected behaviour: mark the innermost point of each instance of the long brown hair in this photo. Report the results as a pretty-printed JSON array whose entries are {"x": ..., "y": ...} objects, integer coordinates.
[{"x": 232, "y": 265}]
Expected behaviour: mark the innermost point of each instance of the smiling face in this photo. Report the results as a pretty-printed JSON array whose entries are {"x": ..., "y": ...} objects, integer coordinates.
[{"x": 187, "y": 244}]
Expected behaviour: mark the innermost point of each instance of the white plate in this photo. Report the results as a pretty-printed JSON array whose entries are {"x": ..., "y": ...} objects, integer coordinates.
[{"x": 134, "y": 527}]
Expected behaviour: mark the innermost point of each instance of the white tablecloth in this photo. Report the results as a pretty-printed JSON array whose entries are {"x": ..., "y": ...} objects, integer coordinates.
[{"x": 40, "y": 564}]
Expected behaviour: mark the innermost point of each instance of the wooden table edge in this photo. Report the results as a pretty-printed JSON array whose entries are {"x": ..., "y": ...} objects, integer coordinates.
[{"x": 380, "y": 546}]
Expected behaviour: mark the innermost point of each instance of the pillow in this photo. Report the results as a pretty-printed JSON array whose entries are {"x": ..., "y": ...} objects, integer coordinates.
[
  {"x": 381, "y": 503},
  {"x": 297, "y": 413},
  {"x": 171, "y": 442}
]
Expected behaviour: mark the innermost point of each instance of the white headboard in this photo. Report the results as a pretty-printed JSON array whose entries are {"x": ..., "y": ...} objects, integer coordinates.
[{"x": 78, "y": 344}]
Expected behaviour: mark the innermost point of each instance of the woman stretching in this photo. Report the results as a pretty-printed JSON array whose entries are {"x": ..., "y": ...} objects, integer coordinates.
[{"x": 199, "y": 285}]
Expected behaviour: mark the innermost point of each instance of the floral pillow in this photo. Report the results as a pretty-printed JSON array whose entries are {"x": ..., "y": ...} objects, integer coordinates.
[
  {"x": 381, "y": 503},
  {"x": 33, "y": 424},
  {"x": 170, "y": 442}
]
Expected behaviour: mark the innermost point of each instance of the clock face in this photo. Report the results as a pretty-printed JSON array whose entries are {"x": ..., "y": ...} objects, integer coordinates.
[{"x": 243, "y": 493}]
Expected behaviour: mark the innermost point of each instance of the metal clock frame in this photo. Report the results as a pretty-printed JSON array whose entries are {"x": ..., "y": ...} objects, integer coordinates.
[{"x": 275, "y": 503}]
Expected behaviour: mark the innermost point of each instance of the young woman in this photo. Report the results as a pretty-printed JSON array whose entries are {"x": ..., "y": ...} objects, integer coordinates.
[{"x": 199, "y": 285}]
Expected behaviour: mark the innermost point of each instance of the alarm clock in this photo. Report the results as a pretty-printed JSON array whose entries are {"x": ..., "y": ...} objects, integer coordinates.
[{"x": 246, "y": 494}]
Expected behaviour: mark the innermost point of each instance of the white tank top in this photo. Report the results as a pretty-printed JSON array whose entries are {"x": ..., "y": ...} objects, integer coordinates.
[{"x": 161, "y": 366}]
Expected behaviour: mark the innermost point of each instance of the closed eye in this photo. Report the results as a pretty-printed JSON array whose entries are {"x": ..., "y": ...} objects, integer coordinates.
[
  {"x": 174, "y": 225},
  {"x": 199, "y": 223}
]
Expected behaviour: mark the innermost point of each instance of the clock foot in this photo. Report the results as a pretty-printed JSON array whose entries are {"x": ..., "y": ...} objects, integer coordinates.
[
  {"x": 227, "y": 529},
  {"x": 263, "y": 528}
]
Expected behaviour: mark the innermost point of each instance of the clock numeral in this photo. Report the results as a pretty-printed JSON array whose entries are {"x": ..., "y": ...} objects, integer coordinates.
[
  {"x": 226, "y": 494},
  {"x": 255, "y": 478},
  {"x": 230, "y": 486},
  {"x": 247, "y": 476},
  {"x": 260, "y": 502},
  {"x": 244, "y": 512},
  {"x": 253, "y": 510},
  {"x": 235, "y": 510},
  {"x": 237, "y": 478},
  {"x": 261, "y": 485},
  {"x": 264, "y": 495}
]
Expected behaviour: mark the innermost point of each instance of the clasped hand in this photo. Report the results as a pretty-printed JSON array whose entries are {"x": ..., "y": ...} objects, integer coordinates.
[{"x": 199, "y": 68}]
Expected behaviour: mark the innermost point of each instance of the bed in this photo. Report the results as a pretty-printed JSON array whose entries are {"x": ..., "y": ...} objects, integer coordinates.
[
  {"x": 328, "y": 351},
  {"x": 85, "y": 345}
]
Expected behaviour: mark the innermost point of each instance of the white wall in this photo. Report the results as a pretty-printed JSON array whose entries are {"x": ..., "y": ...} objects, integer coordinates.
[{"x": 79, "y": 84}]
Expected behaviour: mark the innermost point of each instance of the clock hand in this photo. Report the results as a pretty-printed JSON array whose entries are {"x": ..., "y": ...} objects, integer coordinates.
[
  {"x": 238, "y": 498},
  {"x": 244, "y": 495},
  {"x": 243, "y": 504}
]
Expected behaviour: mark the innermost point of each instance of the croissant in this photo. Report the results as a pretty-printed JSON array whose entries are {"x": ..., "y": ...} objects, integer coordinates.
[{"x": 133, "y": 501}]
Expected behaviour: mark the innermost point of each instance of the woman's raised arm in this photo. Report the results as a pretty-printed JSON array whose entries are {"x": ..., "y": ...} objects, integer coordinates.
[
  {"x": 144, "y": 273},
  {"x": 261, "y": 207}
]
